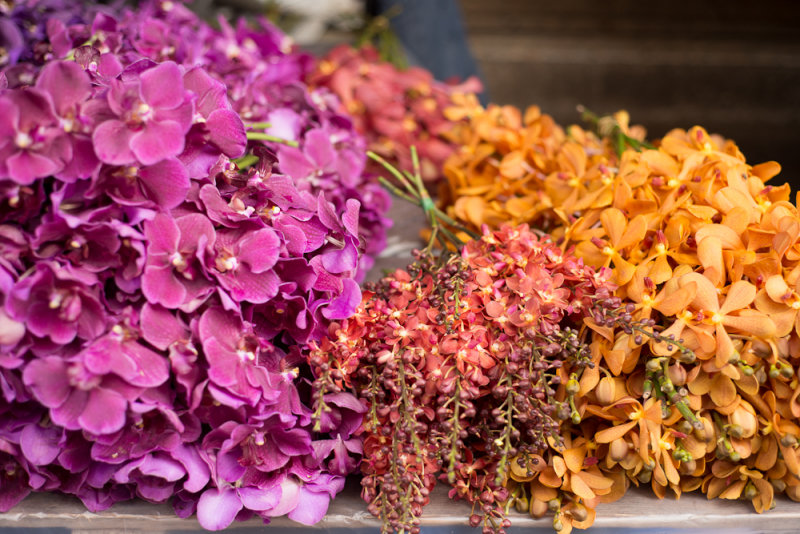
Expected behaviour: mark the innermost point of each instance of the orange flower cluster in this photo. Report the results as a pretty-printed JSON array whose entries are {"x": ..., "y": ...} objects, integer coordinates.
[
  {"x": 700, "y": 391},
  {"x": 394, "y": 108}
]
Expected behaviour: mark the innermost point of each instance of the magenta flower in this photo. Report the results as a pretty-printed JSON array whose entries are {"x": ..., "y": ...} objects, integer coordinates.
[
  {"x": 145, "y": 279},
  {"x": 234, "y": 355},
  {"x": 174, "y": 274},
  {"x": 75, "y": 396},
  {"x": 94, "y": 247},
  {"x": 218, "y": 128},
  {"x": 153, "y": 115},
  {"x": 57, "y": 302},
  {"x": 67, "y": 85},
  {"x": 163, "y": 185},
  {"x": 14, "y": 486},
  {"x": 91, "y": 391},
  {"x": 243, "y": 263},
  {"x": 155, "y": 476},
  {"x": 32, "y": 144}
]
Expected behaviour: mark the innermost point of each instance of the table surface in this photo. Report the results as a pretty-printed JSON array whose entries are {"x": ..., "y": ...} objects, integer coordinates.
[{"x": 638, "y": 511}]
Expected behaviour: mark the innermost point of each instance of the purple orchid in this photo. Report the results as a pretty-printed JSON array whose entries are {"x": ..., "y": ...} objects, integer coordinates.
[
  {"x": 174, "y": 274},
  {"x": 68, "y": 87},
  {"x": 32, "y": 144},
  {"x": 148, "y": 284},
  {"x": 218, "y": 128},
  {"x": 243, "y": 261},
  {"x": 235, "y": 355},
  {"x": 153, "y": 115},
  {"x": 57, "y": 302}
]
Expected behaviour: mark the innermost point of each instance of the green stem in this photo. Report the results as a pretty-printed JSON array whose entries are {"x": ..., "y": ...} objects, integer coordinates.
[
  {"x": 394, "y": 172},
  {"x": 258, "y": 125},
  {"x": 260, "y": 136},
  {"x": 397, "y": 191},
  {"x": 246, "y": 161}
]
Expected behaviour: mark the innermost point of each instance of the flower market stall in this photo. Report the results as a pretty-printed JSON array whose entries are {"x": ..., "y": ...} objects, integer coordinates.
[{"x": 571, "y": 323}]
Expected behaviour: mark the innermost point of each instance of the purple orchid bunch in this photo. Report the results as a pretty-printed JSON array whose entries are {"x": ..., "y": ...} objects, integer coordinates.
[{"x": 163, "y": 264}]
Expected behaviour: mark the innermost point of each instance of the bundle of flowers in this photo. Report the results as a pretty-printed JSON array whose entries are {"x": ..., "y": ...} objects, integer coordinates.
[
  {"x": 395, "y": 108},
  {"x": 464, "y": 362},
  {"x": 705, "y": 253},
  {"x": 153, "y": 290}
]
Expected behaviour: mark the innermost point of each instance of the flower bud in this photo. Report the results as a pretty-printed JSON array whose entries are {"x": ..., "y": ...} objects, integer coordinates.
[
  {"x": 554, "y": 505},
  {"x": 521, "y": 504},
  {"x": 750, "y": 491},
  {"x": 793, "y": 492},
  {"x": 573, "y": 387},
  {"x": 605, "y": 391},
  {"x": 760, "y": 348},
  {"x": 787, "y": 371},
  {"x": 789, "y": 440},
  {"x": 654, "y": 365},
  {"x": 746, "y": 421},
  {"x": 538, "y": 508},
  {"x": 689, "y": 467},
  {"x": 579, "y": 513},
  {"x": 779, "y": 485},
  {"x": 618, "y": 449},
  {"x": 677, "y": 374}
]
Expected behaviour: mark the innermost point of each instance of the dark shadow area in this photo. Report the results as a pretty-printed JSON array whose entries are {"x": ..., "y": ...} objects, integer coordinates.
[{"x": 731, "y": 66}]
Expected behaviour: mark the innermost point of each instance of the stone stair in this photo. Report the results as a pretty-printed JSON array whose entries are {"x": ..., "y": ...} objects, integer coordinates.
[{"x": 732, "y": 66}]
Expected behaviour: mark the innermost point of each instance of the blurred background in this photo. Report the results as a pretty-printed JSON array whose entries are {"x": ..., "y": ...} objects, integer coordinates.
[{"x": 732, "y": 66}]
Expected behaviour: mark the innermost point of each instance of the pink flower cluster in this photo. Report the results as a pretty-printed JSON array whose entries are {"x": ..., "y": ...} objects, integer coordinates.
[
  {"x": 154, "y": 291},
  {"x": 395, "y": 109}
]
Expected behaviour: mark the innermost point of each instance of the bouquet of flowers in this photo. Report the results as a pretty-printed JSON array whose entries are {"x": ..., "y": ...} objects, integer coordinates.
[
  {"x": 701, "y": 392},
  {"x": 396, "y": 108},
  {"x": 163, "y": 260}
]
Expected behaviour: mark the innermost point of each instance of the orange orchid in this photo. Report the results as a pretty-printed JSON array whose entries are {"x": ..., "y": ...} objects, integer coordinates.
[{"x": 707, "y": 260}]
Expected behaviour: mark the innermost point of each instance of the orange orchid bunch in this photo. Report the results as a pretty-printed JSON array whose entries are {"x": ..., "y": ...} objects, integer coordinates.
[
  {"x": 697, "y": 388},
  {"x": 395, "y": 108}
]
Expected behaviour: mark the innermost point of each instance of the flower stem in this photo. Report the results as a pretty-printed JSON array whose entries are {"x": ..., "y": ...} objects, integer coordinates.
[{"x": 260, "y": 136}]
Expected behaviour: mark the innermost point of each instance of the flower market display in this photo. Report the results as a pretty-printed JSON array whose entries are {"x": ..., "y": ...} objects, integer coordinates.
[
  {"x": 395, "y": 108},
  {"x": 188, "y": 209},
  {"x": 156, "y": 289},
  {"x": 701, "y": 249}
]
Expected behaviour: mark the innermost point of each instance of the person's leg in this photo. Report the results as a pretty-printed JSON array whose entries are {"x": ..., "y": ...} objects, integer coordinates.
[{"x": 433, "y": 34}]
